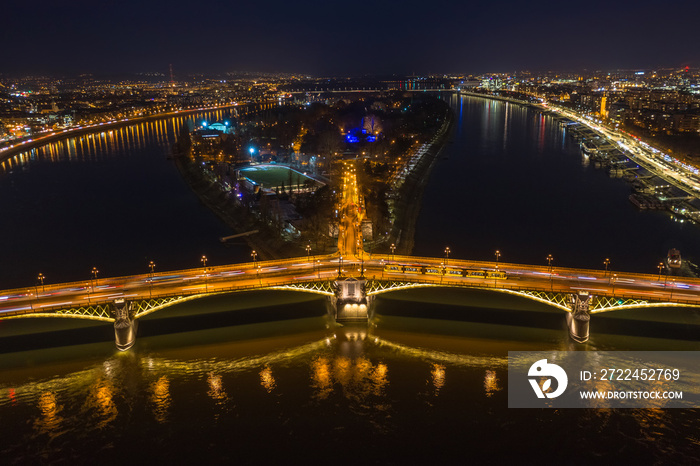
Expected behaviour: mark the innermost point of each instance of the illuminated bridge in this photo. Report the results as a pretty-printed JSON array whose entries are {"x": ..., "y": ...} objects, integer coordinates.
[{"x": 350, "y": 286}]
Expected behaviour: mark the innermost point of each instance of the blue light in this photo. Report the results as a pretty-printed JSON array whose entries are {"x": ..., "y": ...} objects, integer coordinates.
[
  {"x": 371, "y": 138},
  {"x": 204, "y": 123},
  {"x": 251, "y": 150}
]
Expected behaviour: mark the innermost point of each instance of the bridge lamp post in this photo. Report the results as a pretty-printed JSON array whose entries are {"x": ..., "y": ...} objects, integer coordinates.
[
  {"x": 308, "y": 252},
  {"x": 318, "y": 268},
  {"x": 151, "y": 265},
  {"x": 393, "y": 250},
  {"x": 614, "y": 279},
  {"x": 94, "y": 276},
  {"x": 498, "y": 254},
  {"x": 254, "y": 255},
  {"x": 41, "y": 279},
  {"x": 549, "y": 264},
  {"x": 447, "y": 254},
  {"x": 204, "y": 264},
  {"x": 660, "y": 266},
  {"x": 606, "y": 262}
]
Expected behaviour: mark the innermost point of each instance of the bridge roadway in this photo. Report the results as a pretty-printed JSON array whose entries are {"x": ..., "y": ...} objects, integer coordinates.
[
  {"x": 317, "y": 273},
  {"x": 351, "y": 211}
]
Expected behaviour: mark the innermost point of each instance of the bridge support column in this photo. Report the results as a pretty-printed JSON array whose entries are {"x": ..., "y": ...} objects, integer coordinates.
[
  {"x": 579, "y": 319},
  {"x": 350, "y": 303},
  {"x": 124, "y": 325}
]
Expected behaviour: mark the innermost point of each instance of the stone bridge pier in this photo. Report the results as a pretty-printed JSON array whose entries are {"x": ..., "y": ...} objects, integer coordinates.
[
  {"x": 579, "y": 318},
  {"x": 124, "y": 324},
  {"x": 350, "y": 302}
]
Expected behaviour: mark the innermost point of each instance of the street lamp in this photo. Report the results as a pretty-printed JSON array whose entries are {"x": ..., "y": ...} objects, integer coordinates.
[
  {"x": 549, "y": 263},
  {"x": 204, "y": 264},
  {"x": 254, "y": 255},
  {"x": 94, "y": 275},
  {"x": 606, "y": 262},
  {"x": 447, "y": 254},
  {"x": 660, "y": 266},
  {"x": 308, "y": 252},
  {"x": 151, "y": 265},
  {"x": 393, "y": 250},
  {"x": 614, "y": 279},
  {"x": 498, "y": 254},
  {"x": 41, "y": 279}
]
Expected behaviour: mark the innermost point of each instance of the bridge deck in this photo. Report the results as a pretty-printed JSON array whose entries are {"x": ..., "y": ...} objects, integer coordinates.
[{"x": 90, "y": 299}]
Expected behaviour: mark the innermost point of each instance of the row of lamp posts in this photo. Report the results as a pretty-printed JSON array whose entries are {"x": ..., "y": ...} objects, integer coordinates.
[{"x": 93, "y": 282}]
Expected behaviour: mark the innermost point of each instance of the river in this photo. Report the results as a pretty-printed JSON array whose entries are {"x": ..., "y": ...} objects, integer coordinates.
[
  {"x": 268, "y": 378},
  {"x": 511, "y": 180},
  {"x": 111, "y": 200}
]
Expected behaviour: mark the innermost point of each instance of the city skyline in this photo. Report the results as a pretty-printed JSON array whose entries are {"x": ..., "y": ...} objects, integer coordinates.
[{"x": 336, "y": 39}]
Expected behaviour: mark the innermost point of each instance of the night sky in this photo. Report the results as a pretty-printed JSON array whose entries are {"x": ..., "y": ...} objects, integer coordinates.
[{"x": 346, "y": 38}]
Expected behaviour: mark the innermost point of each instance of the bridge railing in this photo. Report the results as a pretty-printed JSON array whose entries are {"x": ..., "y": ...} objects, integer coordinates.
[
  {"x": 124, "y": 279},
  {"x": 456, "y": 262},
  {"x": 389, "y": 258},
  {"x": 500, "y": 285},
  {"x": 511, "y": 286}
]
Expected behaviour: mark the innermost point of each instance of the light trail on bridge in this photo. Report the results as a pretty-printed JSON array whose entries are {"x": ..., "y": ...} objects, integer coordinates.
[{"x": 260, "y": 275}]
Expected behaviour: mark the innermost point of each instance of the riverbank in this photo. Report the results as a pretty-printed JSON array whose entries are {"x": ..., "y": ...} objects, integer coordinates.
[
  {"x": 267, "y": 245},
  {"x": 504, "y": 99},
  {"x": 408, "y": 200},
  {"x": 8, "y": 153}
]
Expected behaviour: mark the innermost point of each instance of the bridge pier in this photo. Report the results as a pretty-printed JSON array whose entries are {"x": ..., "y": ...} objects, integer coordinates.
[
  {"x": 579, "y": 319},
  {"x": 350, "y": 302},
  {"x": 124, "y": 324}
]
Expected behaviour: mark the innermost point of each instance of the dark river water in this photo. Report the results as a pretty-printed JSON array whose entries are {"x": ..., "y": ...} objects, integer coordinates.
[
  {"x": 111, "y": 200},
  {"x": 511, "y": 180},
  {"x": 266, "y": 377}
]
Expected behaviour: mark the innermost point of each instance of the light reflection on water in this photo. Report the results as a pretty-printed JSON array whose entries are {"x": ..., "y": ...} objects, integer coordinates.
[
  {"x": 161, "y": 399},
  {"x": 343, "y": 384},
  {"x": 100, "y": 145},
  {"x": 50, "y": 420}
]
